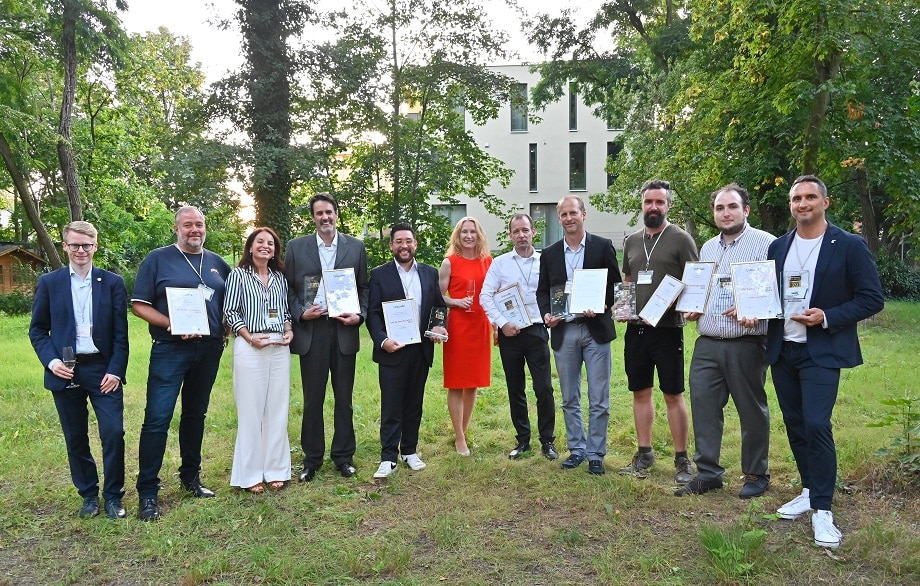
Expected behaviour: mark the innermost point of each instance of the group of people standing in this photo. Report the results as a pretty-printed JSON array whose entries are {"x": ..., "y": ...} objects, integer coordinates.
[{"x": 277, "y": 308}]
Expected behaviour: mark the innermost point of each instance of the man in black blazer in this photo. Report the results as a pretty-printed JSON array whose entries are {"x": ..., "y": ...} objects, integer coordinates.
[
  {"x": 403, "y": 368},
  {"x": 580, "y": 340},
  {"x": 90, "y": 315},
  {"x": 326, "y": 345},
  {"x": 829, "y": 283}
]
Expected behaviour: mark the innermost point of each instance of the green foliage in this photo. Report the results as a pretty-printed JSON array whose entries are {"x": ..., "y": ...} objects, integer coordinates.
[
  {"x": 899, "y": 281},
  {"x": 904, "y": 415},
  {"x": 15, "y": 303},
  {"x": 735, "y": 551}
]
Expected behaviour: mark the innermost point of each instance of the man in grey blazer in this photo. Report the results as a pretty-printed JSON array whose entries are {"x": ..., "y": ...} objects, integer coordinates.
[{"x": 326, "y": 345}]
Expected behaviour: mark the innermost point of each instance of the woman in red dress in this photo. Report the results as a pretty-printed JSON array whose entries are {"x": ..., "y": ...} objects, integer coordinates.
[{"x": 468, "y": 352}]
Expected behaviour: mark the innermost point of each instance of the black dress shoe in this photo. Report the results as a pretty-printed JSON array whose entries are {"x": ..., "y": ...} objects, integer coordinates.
[
  {"x": 347, "y": 469},
  {"x": 754, "y": 486},
  {"x": 114, "y": 509},
  {"x": 148, "y": 509},
  {"x": 198, "y": 490},
  {"x": 549, "y": 451},
  {"x": 596, "y": 467},
  {"x": 90, "y": 507},
  {"x": 519, "y": 451},
  {"x": 698, "y": 485},
  {"x": 308, "y": 473},
  {"x": 573, "y": 461}
]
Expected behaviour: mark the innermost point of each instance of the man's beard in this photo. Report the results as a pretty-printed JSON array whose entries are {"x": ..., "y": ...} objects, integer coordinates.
[
  {"x": 653, "y": 219},
  {"x": 732, "y": 230}
]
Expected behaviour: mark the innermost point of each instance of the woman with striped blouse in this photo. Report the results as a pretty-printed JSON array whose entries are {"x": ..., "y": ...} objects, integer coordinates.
[{"x": 256, "y": 310}]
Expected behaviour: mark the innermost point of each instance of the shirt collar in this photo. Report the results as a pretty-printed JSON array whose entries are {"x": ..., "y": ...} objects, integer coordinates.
[
  {"x": 580, "y": 245},
  {"x": 335, "y": 240}
]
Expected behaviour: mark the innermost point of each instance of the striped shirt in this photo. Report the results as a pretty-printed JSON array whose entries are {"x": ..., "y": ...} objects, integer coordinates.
[
  {"x": 248, "y": 303},
  {"x": 751, "y": 245}
]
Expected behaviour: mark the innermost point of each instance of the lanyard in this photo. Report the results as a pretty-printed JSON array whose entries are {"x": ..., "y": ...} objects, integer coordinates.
[
  {"x": 648, "y": 253},
  {"x": 527, "y": 277},
  {"x": 200, "y": 263}
]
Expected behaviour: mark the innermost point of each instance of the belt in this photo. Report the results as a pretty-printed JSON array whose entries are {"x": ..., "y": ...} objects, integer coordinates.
[
  {"x": 90, "y": 358},
  {"x": 749, "y": 338}
]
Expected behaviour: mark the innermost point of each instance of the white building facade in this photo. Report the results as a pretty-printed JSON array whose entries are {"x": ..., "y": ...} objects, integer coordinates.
[{"x": 565, "y": 153}]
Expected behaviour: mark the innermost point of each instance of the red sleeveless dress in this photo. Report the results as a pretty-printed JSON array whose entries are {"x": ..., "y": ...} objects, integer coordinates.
[{"x": 468, "y": 351}]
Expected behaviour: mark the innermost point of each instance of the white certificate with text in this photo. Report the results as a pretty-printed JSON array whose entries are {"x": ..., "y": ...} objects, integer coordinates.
[
  {"x": 661, "y": 300},
  {"x": 341, "y": 292},
  {"x": 697, "y": 280},
  {"x": 187, "y": 312},
  {"x": 510, "y": 303},
  {"x": 401, "y": 321},
  {"x": 589, "y": 289},
  {"x": 756, "y": 291}
]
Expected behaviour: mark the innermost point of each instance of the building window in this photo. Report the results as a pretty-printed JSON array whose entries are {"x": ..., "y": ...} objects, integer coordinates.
[
  {"x": 519, "y": 108},
  {"x": 573, "y": 107},
  {"x": 532, "y": 166},
  {"x": 546, "y": 223},
  {"x": 578, "y": 177},
  {"x": 453, "y": 212},
  {"x": 614, "y": 148}
]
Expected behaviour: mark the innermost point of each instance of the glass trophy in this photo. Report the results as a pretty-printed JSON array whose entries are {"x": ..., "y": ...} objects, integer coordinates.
[
  {"x": 624, "y": 301},
  {"x": 310, "y": 288},
  {"x": 438, "y": 319},
  {"x": 558, "y": 301}
]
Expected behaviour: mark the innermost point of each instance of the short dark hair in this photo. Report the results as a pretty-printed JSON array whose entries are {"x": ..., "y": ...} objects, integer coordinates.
[
  {"x": 809, "y": 179},
  {"x": 274, "y": 263},
  {"x": 657, "y": 184},
  {"x": 745, "y": 198},
  {"x": 324, "y": 197},
  {"x": 401, "y": 226},
  {"x": 521, "y": 216}
]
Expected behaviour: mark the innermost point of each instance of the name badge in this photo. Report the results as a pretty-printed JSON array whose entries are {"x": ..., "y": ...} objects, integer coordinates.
[
  {"x": 645, "y": 277},
  {"x": 795, "y": 290},
  {"x": 85, "y": 331},
  {"x": 274, "y": 316},
  {"x": 206, "y": 292},
  {"x": 724, "y": 284},
  {"x": 568, "y": 287}
]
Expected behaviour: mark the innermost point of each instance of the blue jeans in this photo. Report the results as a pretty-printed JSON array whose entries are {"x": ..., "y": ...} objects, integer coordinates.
[{"x": 189, "y": 366}]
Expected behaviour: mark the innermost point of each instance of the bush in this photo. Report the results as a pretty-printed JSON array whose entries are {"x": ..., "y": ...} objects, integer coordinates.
[
  {"x": 16, "y": 303},
  {"x": 899, "y": 281}
]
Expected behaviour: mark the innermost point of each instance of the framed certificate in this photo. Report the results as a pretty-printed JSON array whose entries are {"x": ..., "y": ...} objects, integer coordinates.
[
  {"x": 697, "y": 280},
  {"x": 187, "y": 312},
  {"x": 341, "y": 292},
  {"x": 401, "y": 322},
  {"x": 661, "y": 300},
  {"x": 755, "y": 289},
  {"x": 510, "y": 302},
  {"x": 589, "y": 287}
]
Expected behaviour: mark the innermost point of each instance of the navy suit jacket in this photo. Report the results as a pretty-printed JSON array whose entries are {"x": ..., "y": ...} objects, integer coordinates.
[
  {"x": 54, "y": 326},
  {"x": 599, "y": 254},
  {"x": 301, "y": 258},
  {"x": 846, "y": 287},
  {"x": 387, "y": 286}
]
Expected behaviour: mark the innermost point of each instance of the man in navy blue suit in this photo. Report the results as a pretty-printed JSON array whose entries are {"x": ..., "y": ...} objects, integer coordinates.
[
  {"x": 829, "y": 283},
  {"x": 89, "y": 315},
  {"x": 403, "y": 368}
]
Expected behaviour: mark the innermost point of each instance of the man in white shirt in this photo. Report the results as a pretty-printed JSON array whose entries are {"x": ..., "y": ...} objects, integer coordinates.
[{"x": 519, "y": 343}]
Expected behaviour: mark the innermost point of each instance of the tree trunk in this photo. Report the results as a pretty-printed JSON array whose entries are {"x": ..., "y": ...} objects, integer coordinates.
[
  {"x": 869, "y": 223},
  {"x": 65, "y": 153},
  {"x": 825, "y": 70},
  {"x": 22, "y": 188}
]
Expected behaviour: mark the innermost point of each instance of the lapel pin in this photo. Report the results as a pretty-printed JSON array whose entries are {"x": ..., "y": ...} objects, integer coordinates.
[{"x": 832, "y": 241}]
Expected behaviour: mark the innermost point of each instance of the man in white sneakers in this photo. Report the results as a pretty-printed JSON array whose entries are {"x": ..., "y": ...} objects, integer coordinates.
[{"x": 402, "y": 367}]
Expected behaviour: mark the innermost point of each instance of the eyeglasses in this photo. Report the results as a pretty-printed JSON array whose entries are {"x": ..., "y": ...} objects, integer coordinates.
[{"x": 84, "y": 247}]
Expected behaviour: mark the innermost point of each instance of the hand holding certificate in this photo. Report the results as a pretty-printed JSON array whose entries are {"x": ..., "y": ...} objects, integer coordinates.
[
  {"x": 697, "y": 279},
  {"x": 589, "y": 286},
  {"x": 661, "y": 300},
  {"x": 341, "y": 292},
  {"x": 756, "y": 292},
  {"x": 510, "y": 303},
  {"x": 401, "y": 322},
  {"x": 187, "y": 313}
]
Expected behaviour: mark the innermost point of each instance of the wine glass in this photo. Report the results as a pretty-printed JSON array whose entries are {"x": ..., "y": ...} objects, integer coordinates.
[
  {"x": 470, "y": 291},
  {"x": 70, "y": 361}
]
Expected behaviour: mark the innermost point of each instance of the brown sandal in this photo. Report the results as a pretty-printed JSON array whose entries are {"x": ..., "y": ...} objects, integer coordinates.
[
  {"x": 276, "y": 485},
  {"x": 255, "y": 489}
]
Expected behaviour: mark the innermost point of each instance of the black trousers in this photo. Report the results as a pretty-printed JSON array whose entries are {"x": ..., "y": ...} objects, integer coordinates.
[
  {"x": 402, "y": 390},
  {"x": 529, "y": 346}
]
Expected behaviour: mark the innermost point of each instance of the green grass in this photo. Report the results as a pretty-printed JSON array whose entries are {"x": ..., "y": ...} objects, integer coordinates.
[{"x": 477, "y": 520}]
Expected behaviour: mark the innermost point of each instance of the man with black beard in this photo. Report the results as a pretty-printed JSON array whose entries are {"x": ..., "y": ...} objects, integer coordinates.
[{"x": 659, "y": 249}]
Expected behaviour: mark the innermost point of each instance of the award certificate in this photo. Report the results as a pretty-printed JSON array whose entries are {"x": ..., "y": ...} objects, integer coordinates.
[
  {"x": 589, "y": 287},
  {"x": 400, "y": 320},
  {"x": 661, "y": 300},
  {"x": 341, "y": 291},
  {"x": 187, "y": 312},
  {"x": 697, "y": 280},
  {"x": 510, "y": 303},
  {"x": 756, "y": 292}
]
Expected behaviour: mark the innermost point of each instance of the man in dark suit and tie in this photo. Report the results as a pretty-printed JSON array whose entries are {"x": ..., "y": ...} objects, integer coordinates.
[
  {"x": 89, "y": 315},
  {"x": 403, "y": 368},
  {"x": 583, "y": 339},
  {"x": 326, "y": 345},
  {"x": 829, "y": 283}
]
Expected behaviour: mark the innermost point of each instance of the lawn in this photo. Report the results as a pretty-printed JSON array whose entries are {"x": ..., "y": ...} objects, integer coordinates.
[{"x": 478, "y": 520}]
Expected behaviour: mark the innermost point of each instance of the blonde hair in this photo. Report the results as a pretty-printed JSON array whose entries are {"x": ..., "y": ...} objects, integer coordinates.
[
  {"x": 482, "y": 247},
  {"x": 80, "y": 227}
]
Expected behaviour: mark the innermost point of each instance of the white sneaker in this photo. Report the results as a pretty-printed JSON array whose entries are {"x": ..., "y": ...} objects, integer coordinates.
[
  {"x": 386, "y": 468},
  {"x": 826, "y": 535},
  {"x": 797, "y": 506},
  {"x": 414, "y": 462}
]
